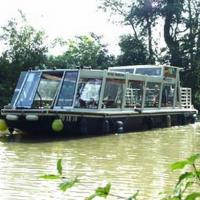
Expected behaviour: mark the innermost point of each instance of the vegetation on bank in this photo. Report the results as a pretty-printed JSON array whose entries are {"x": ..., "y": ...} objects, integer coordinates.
[
  {"x": 186, "y": 188},
  {"x": 175, "y": 22}
]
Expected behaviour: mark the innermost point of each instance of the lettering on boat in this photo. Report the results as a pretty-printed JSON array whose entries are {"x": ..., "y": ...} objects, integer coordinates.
[{"x": 68, "y": 118}]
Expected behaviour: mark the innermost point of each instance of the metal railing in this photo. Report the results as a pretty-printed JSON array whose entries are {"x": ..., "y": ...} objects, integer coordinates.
[{"x": 186, "y": 97}]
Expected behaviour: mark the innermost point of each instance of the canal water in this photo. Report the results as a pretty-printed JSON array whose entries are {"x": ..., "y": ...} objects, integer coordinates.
[{"x": 130, "y": 162}]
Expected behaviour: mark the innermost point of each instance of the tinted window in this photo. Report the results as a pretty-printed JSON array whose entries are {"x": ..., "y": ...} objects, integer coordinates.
[
  {"x": 167, "y": 95},
  {"x": 149, "y": 71},
  {"x": 47, "y": 89},
  {"x": 123, "y": 70},
  {"x": 152, "y": 94},
  {"x": 67, "y": 91},
  {"x": 28, "y": 91},
  {"x": 88, "y": 93},
  {"x": 18, "y": 87},
  {"x": 113, "y": 93},
  {"x": 170, "y": 72},
  {"x": 134, "y": 94}
]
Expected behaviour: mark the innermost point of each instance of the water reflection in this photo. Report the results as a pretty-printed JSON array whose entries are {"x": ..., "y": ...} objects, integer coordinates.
[{"x": 131, "y": 162}]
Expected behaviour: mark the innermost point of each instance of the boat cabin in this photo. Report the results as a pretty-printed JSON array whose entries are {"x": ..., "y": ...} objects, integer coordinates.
[{"x": 142, "y": 87}]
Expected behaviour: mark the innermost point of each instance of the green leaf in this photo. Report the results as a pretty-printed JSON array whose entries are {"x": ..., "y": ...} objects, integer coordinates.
[
  {"x": 91, "y": 197},
  {"x": 188, "y": 184},
  {"x": 179, "y": 165},
  {"x": 185, "y": 176},
  {"x": 183, "y": 163},
  {"x": 134, "y": 196},
  {"x": 193, "y": 196},
  {"x": 50, "y": 176},
  {"x": 103, "y": 191},
  {"x": 198, "y": 173},
  {"x": 68, "y": 184},
  {"x": 193, "y": 158},
  {"x": 59, "y": 166}
]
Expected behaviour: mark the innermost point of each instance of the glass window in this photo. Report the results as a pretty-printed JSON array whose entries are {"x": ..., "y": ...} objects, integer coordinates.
[
  {"x": 170, "y": 72},
  {"x": 167, "y": 95},
  {"x": 18, "y": 87},
  {"x": 47, "y": 89},
  {"x": 113, "y": 93},
  {"x": 67, "y": 91},
  {"x": 123, "y": 70},
  {"x": 156, "y": 71},
  {"x": 88, "y": 93},
  {"x": 152, "y": 94},
  {"x": 28, "y": 92},
  {"x": 134, "y": 94}
]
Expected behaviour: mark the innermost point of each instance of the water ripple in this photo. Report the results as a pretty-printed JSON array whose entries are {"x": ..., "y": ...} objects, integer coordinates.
[{"x": 131, "y": 162}]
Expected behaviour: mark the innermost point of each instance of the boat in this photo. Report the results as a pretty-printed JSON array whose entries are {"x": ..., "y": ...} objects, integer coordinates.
[{"x": 89, "y": 101}]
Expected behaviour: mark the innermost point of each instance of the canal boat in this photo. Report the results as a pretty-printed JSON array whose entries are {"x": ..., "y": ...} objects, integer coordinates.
[{"x": 86, "y": 101}]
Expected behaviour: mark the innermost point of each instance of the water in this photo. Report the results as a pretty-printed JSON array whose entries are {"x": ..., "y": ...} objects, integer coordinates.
[{"x": 131, "y": 162}]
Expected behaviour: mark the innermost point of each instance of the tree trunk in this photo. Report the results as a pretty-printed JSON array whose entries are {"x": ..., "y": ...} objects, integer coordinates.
[
  {"x": 172, "y": 43},
  {"x": 191, "y": 37},
  {"x": 151, "y": 57},
  {"x": 148, "y": 13}
]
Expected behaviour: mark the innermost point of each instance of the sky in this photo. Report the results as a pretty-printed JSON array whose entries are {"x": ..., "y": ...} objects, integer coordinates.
[{"x": 65, "y": 18}]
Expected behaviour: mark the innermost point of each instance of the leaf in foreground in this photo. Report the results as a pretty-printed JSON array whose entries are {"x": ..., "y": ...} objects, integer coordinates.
[
  {"x": 193, "y": 196},
  {"x": 68, "y": 184},
  {"x": 183, "y": 163},
  {"x": 185, "y": 176},
  {"x": 50, "y": 176},
  {"x": 134, "y": 196},
  {"x": 101, "y": 192},
  {"x": 179, "y": 165},
  {"x": 193, "y": 158},
  {"x": 59, "y": 166}
]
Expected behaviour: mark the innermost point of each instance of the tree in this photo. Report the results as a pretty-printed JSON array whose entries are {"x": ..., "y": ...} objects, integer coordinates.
[
  {"x": 133, "y": 50},
  {"x": 121, "y": 9},
  {"x": 24, "y": 45},
  {"x": 24, "y": 49},
  {"x": 172, "y": 13},
  {"x": 5, "y": 82},
  {"x": 145, "y": 14},
  {"x": 141, "y": 15},
  {"x": 84, "y": 50},
  {"x": 181, "y": 31}
]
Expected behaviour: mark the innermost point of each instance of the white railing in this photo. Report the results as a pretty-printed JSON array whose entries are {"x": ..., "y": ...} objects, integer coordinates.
[
  {"x": 186, "y": 97},
  {"x": 130, "y": 97}
]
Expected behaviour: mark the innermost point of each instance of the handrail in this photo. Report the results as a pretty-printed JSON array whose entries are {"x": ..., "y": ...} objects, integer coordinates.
[{"x": 186, "y": 97}]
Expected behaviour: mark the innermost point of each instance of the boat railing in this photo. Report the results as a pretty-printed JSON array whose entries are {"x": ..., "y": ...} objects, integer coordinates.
[
  {"x": 186, "y": 97},
  {"x": 132, "y": 97}
]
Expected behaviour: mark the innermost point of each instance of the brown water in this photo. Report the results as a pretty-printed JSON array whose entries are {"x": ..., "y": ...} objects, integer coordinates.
[{"x": 131, "y": 162}]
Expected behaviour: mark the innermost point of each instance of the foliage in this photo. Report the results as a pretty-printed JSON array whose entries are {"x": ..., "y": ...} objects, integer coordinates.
[
  {"x": 133, "y": 51},
  {"x": 5, "y": 83},
  {"x": 102, "y": 191},
  {"x": 140, "y": 15},
  {"x": 24, "y": 45},
  {"x": 23, "y": 48},
  {"x": 184, "y": 189},
  {"x": 65, "y": 184},
  {"x": 188, "y": 180},
  {"x": 86, "y": 50}
]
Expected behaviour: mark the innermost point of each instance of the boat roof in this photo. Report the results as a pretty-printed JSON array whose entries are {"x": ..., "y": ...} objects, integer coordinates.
[{"x": 142, "y": 66}]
